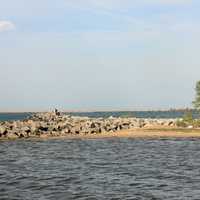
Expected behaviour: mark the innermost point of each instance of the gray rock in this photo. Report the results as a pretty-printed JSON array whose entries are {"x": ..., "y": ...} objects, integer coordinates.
[
  {"x": 12, "y": 135},
  {"x": 2, "y": 130},
  {"x": 46, "y": 124}
]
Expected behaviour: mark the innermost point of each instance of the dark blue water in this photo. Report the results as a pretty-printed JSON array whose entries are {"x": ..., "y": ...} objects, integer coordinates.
[
  {"x": 140, "y": 169},
  {"x": 14, "y": 116},
  {"x": 139, "y": 114}
]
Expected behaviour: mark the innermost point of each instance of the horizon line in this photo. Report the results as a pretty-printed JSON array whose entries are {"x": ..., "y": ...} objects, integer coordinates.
[{"x": 100, "y": 110}]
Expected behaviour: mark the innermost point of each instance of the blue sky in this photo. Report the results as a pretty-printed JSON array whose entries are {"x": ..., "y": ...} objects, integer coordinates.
[{"x": 98, "y": 55}]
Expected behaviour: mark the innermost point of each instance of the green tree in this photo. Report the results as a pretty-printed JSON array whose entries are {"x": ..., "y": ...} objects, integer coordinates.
[{"x": 196, "y": 102}]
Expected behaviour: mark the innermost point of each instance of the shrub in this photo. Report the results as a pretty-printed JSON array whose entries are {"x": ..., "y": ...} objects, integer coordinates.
[
  {"x": 181, "y": 123},
  {"x": 188, "y": 118},
  {"x": 186, "y": 121},
  {"x": 196, "y": 123}
]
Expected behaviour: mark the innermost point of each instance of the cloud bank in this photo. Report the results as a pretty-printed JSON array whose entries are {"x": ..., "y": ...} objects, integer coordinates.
[{"x": 6, "y": 26}]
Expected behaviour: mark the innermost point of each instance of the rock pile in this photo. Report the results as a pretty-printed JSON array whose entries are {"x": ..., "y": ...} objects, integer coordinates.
[{"x": 58, "y": 124}]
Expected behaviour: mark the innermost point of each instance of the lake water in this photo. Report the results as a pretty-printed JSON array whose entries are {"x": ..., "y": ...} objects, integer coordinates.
[
  {"x": 139, "y": 114},
  {"x": 138, "y": 169}
]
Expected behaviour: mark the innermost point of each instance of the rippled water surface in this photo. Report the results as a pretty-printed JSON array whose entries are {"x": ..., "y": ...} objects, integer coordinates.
[{"x": 100, "y": 169}]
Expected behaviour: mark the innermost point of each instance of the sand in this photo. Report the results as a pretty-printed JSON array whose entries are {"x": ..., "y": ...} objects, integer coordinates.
[{"x": 140, "y": 133}]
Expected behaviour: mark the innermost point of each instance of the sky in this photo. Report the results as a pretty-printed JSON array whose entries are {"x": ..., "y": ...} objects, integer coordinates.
[{"x": 98, "y": 54}]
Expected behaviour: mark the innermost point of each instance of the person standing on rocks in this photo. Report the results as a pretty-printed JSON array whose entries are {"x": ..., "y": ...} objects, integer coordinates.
[{"x": 56, "y": 112}]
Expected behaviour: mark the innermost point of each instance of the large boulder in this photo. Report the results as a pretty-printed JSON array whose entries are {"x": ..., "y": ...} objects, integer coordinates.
[
  {"x": 12, "y": 135},
  {"x": 2, "y": 129}
]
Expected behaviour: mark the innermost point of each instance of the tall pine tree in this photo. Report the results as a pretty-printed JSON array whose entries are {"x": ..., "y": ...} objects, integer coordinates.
[{"x": 196, "y": 102}]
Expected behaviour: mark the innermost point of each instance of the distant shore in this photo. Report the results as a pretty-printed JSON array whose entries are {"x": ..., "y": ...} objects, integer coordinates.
[{"x": 101, "y": 110}]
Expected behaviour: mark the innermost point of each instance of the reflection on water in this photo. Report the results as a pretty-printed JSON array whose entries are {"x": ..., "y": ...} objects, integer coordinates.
[{"x": 100, "y": 169}]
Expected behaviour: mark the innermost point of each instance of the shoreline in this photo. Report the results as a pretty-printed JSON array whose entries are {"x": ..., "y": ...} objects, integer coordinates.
[
  {"x": 59, "y": 125},
  {"x": 153, "y": 133},
  {"x": 138, "y": 133}
]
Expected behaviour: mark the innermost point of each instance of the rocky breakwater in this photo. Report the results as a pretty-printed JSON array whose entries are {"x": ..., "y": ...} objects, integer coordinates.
[{"x": 53, "y": 124}]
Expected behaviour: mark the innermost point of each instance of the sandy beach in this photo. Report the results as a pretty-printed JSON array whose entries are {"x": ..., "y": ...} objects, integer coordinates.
[{"x": 155, "y": 133}]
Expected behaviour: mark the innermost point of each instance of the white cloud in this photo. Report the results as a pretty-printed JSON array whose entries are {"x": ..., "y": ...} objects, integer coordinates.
[{"x": 6, "y": 26}]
